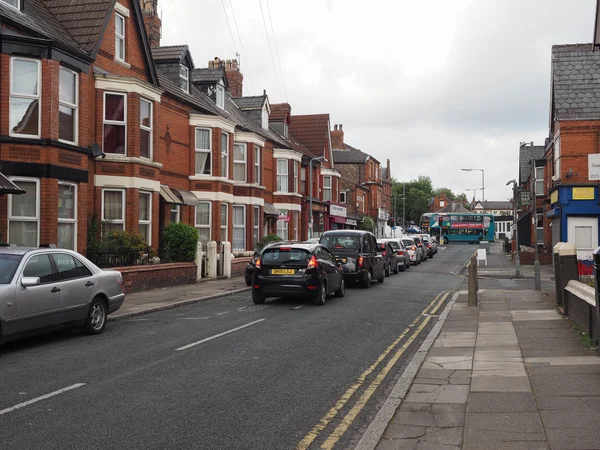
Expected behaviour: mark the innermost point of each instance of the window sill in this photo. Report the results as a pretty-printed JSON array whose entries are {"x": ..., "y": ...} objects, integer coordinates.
[
  {"x": 129, "y": 160},
  {"x": 122, "y": 63},
  {"x": 251, "y": 185},
  {"x": 210, "y": 178},
  {"x": 290, "y": 194}
]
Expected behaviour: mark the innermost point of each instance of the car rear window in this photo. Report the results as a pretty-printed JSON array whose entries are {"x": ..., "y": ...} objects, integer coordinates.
[
  {"x": 394, "y": 245},
  {"x": 339, "y": 242},
  {"x": 283, "y": 256},
  {"x": 408, "y": 242},
  {"x": 8, "y": 266}
]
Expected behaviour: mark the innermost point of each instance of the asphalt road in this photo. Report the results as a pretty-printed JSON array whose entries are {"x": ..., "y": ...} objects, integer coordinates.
[{"x": 283, "y": 375}]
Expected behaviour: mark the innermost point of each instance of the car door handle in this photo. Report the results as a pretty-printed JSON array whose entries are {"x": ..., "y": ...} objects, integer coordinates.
[
  {"x": 54, "y": 290},
  {"x": 88, "y": 284}
]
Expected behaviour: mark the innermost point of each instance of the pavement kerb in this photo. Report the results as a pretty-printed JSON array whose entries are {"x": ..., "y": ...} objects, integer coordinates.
[
  {"x": 173, "y": 305},
  {"x": 372, "y": 435}
]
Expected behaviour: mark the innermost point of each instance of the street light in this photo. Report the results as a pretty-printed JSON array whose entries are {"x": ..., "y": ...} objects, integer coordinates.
[
  {"x": 310, "y": 196},
  {"x": 482, "y": 186},
  {"x": 516, "y": 230},
  {"x": 474, "y": 191}
]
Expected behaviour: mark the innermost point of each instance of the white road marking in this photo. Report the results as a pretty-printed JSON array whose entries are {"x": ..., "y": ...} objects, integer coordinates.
[
  {"x": 299, "y": 307},
  {"x": 43, "y": 397},
  {"x": 193, "y": 344},
  {"x": 222, "y": 313},
  {"x": 192, "y": 318}
]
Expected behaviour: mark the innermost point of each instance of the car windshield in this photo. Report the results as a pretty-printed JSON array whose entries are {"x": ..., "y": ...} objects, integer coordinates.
[
  {"x": 8, "y": 266},
  {"x": 337, "y": 242},
  {"x": 283, "y": 256}
]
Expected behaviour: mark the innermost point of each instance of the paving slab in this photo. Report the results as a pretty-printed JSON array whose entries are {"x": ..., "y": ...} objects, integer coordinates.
[
  {"x": 448, "y": 362},
  {"x": 428, "y": 393},
  {"x": 572, "y": 439},
  {"x": 531, "y": 315},
  {"x": 521, "y": 426},
  {"x": 565, "y": 360},
  {"x": 500, "y": 384},
  {"x": 501, "y": 402},
  {"x": 454, "y": 343}
]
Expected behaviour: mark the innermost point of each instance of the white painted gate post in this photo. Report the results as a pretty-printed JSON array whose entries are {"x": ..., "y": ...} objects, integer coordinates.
[
  {"x": 211, "y": 259},
  {"x": 227, "y": 259},
  {"x": 199, "y": 257}
]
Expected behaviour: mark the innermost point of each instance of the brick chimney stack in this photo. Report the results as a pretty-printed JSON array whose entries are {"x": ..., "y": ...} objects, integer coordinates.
[
  {"x": 234, "y": 78},
  {"x": 337, "y": 137},
  {"x": 152, "y": 22}
]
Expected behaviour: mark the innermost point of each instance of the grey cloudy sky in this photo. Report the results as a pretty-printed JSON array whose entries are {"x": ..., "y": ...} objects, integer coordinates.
[{"x": 434, "y": 86}]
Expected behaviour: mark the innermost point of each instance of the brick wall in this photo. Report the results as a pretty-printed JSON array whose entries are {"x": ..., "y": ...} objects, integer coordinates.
[
  {"x": 238, "y": 266},
  {"x": 143, "y": 278}
]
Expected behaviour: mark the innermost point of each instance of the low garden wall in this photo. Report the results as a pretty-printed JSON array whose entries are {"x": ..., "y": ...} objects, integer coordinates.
[
  {"x": 146, "y": 277},
  {"x": 238, "y": 266},
  {"x": 580, "y": 306}
]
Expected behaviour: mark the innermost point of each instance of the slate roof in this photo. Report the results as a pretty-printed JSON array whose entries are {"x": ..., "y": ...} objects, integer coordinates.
[
  {"x": 83, "y": 19},
  {"x": 575, "y": 82},
  {"x": 312, "y": 131},
  {"x": 253, "y": 102},
  {"x": 491, "y": 204},
  {"x": 279, "y": 112},
  {"x": 208, "y": 75},
  {"x": 293, "y": 143},
  {"x": 384, "y": 173},
  {"x": 38, "y": 17},
  {"x": 196, "y": 99},
  {"x": 526, "y": 153},
  {"x": 349, "y": 156},
  {"x": 454, "y": 208},
  {"x": 169, "y": 53}
]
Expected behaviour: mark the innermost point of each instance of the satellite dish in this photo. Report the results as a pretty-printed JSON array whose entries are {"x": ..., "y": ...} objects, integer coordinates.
[{"x": 97, "y": 151}]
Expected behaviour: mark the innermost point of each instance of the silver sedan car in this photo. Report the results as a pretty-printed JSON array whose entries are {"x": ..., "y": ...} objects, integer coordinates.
[{"x": 47, "y": 288}]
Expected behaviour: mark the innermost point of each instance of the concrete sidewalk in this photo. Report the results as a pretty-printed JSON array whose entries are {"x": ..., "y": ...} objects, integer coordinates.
[
  {"x": 500, "y": 265},
  {"x": 170, "y": 297},
  {"x": 509, "y": 374}
]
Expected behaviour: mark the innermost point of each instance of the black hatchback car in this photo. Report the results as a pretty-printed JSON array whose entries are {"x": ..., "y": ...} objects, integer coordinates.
[
  {"x": 357, "y": 252},
  {"x": 297, "y": 270}
]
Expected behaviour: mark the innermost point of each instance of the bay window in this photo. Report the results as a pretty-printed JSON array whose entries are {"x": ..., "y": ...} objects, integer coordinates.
[
  {"x": 67, "y": 215},
  {"x": 256, "y": 225},
  {"x": 220, "y": 95},
  {"x": 296, "y": 169},
  {"x": 239, "y": 161},
  {"x": 327, "y": 189},
  {"x": 13, "y": 3},
  {"x": 282, "y": 229},
  {"x": 115, "y": 107},
  {"x": 145, "y": 216},
  {"x": 25, "y": 108},
  {"x": 239, "y": 227},
  {"x": 203, "y": 151},
  {"x": 224, "y": 217},
  {"x": 224, "y": 155},
  {"x": 145, "y": 129},
  {"x": 113, "y": 210},
  {"x": 68, "y": 103},
  {"x": 282, "y": 175},
  {"x": 24, "y": 214},
  {"x": 203, "y": 221}
]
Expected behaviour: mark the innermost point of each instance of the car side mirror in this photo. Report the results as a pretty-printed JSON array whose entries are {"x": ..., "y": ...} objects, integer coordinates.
[{"x": 30, "y": 281}]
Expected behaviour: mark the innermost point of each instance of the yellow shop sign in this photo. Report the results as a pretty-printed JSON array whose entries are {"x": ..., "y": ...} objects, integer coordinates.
[
  {"x": 554, "y": 198},
  {"x": 583, "y": 193}
]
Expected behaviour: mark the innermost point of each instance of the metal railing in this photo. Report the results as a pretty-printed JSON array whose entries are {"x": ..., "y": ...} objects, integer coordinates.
[{"x": 108, "y": 258}]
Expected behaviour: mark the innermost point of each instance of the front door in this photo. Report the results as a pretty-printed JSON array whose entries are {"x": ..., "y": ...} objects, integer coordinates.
[
  {"x": 38, "y": 306},
  {"x": 583, "y": 235}
]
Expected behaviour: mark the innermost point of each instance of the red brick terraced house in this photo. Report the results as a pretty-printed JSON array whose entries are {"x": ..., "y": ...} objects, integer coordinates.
[{"x": 95, "y": 121}]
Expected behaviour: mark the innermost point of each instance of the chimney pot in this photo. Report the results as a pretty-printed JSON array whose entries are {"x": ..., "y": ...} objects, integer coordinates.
[
  {"x": 340, "y": 127},
  {"x": 335, "y": 127}
]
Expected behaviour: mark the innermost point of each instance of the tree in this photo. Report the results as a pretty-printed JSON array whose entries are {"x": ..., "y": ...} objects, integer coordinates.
[{"x": 443, "y": 190}]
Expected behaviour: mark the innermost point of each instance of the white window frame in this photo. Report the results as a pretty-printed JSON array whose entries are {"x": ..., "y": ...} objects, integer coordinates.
[
  {"x": 243, "y": 162},
  {"x": 185, "y": 77},
  {"x": 296, "y": 225},
  {"x": 123, "y": 198},
  {"x": 18, "y": 7},
  {"x": 220, "y": 95},
  {"x": 281, "y": 176},
  {"x": 256, "y": 225},
  {"x": 284, "y": 229},
  {"x": 175, "y": 208},
  {"x": 226, "y": 225},
  {"x": 265, "y": 118},
  {"x": 328, "y": 188},
  {"x": 557, "y": 157},
  {"x": 72, "y": 221},
  {"x": 121, "y": 37},
  {"x": 74, "y": 107},
  {"x": 203, "y": 150},
  {"x": 149, "y": 129},
  {"x": 539, "y": 181},
  {"x": 24, "y": 218},
  {"x": 343, "y": 199},
  {"x": 257, "y": 171},
  {"x": 37, "y": 97},
  {"x": 149, "y": 221},
  {"x": 296, "y": 177},
  {"x": 243, "y": 226},
  {"x": 225, "y": 156},
  {"x": 202, "y": 226},
  {"x": 115, "y": 122}
]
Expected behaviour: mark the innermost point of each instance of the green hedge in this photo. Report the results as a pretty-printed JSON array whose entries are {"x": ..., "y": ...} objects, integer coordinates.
[{"x": 179, "y": 242}]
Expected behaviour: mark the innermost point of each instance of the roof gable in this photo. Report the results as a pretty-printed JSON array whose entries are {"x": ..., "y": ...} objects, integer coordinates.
[
  {"x": 210, "y": 76},
  {"x": 312, "y": 131},
  {"x": 280, "y": 112},
  {"x": 179, "y": 54},
  {"x": 250, "y": 103},
  {"x": 526, "y": 154}
]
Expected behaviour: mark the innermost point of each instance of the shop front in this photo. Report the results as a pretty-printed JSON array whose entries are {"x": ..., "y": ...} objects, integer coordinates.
[
  {"x": 382, "y": 219},
  {"x": 351, "y": 223},
  {"x": 337, "y": 217},
  {"x": 320, "y": 219}
]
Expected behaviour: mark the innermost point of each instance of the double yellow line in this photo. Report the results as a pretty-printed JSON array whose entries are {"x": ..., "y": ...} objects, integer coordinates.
[{"x": 349, "y": 418}]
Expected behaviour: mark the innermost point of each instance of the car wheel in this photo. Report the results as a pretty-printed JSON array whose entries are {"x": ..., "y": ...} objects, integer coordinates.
[
  {"x": 403, "y": 266},
  {"x": 387, "y": 271},
  {"x": 257, "y": 298},
  {"x": 342, "y": 290},
  {"x": 382, "y": 279},
  {"x": 96, "y": 319},
  {"x": 367, "y": 282},
  {"x": 248, "y": 283},
  {"x": 396, "y": 270},
  {"x": 320, "y": 298}
]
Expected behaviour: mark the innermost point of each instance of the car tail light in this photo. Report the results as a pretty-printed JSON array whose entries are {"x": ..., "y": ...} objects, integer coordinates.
[
  {"x": 400, "y": 252},
  {"x": 384, "y": 253},
  {"x": 285, "y": 249},
  {"x": 312, "y": 263},
  {"x": 257, "y": 263},
  {"x": 413, "y": 247},
  {"x": 361, "y": 261},
  {"x": 428, "y": 245}
]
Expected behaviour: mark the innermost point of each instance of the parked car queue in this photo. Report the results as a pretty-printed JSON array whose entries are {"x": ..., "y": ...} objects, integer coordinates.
[{"x": 340, "y": 258}]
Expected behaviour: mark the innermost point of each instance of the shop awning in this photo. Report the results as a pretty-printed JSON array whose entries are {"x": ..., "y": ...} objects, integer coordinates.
[
  {"x": 169, "y": 196},
  {"x": 8, "y": 187},
  {"x": 270, "y": 210},
  {"x": 187, "y": 197}
]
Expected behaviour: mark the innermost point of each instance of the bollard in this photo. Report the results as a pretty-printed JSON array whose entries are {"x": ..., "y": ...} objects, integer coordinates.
[
  {"x": 558, "y": 285},
  {"x": 199, "y": 257},
  {"x": 211, "y": 259},
  {"x": 567, "y": 257},
  {"x": 596, "y": 287},
  {"x": 473, "y": 283},
  {"x": 227, "y": 257}
]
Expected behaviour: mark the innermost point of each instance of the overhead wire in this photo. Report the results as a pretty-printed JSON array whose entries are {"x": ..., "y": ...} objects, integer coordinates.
[
  {"x": 277, "y": 51},
  {"x": 242, "y": 47},
  {"x": 270, "y": 49}
]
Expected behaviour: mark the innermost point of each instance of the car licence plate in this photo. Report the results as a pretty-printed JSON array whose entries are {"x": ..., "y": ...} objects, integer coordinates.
[
  {"x": 283, "y": 271},
  {"x": 343, "y": 260}
]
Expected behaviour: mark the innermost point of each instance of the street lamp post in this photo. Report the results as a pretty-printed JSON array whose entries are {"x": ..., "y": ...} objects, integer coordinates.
[
  {"x": 516, "y": 229},
  {"x": 310, "y": 196},
  {"x": 537, "y": 282},
  {"x": 482, "y": 186}
]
